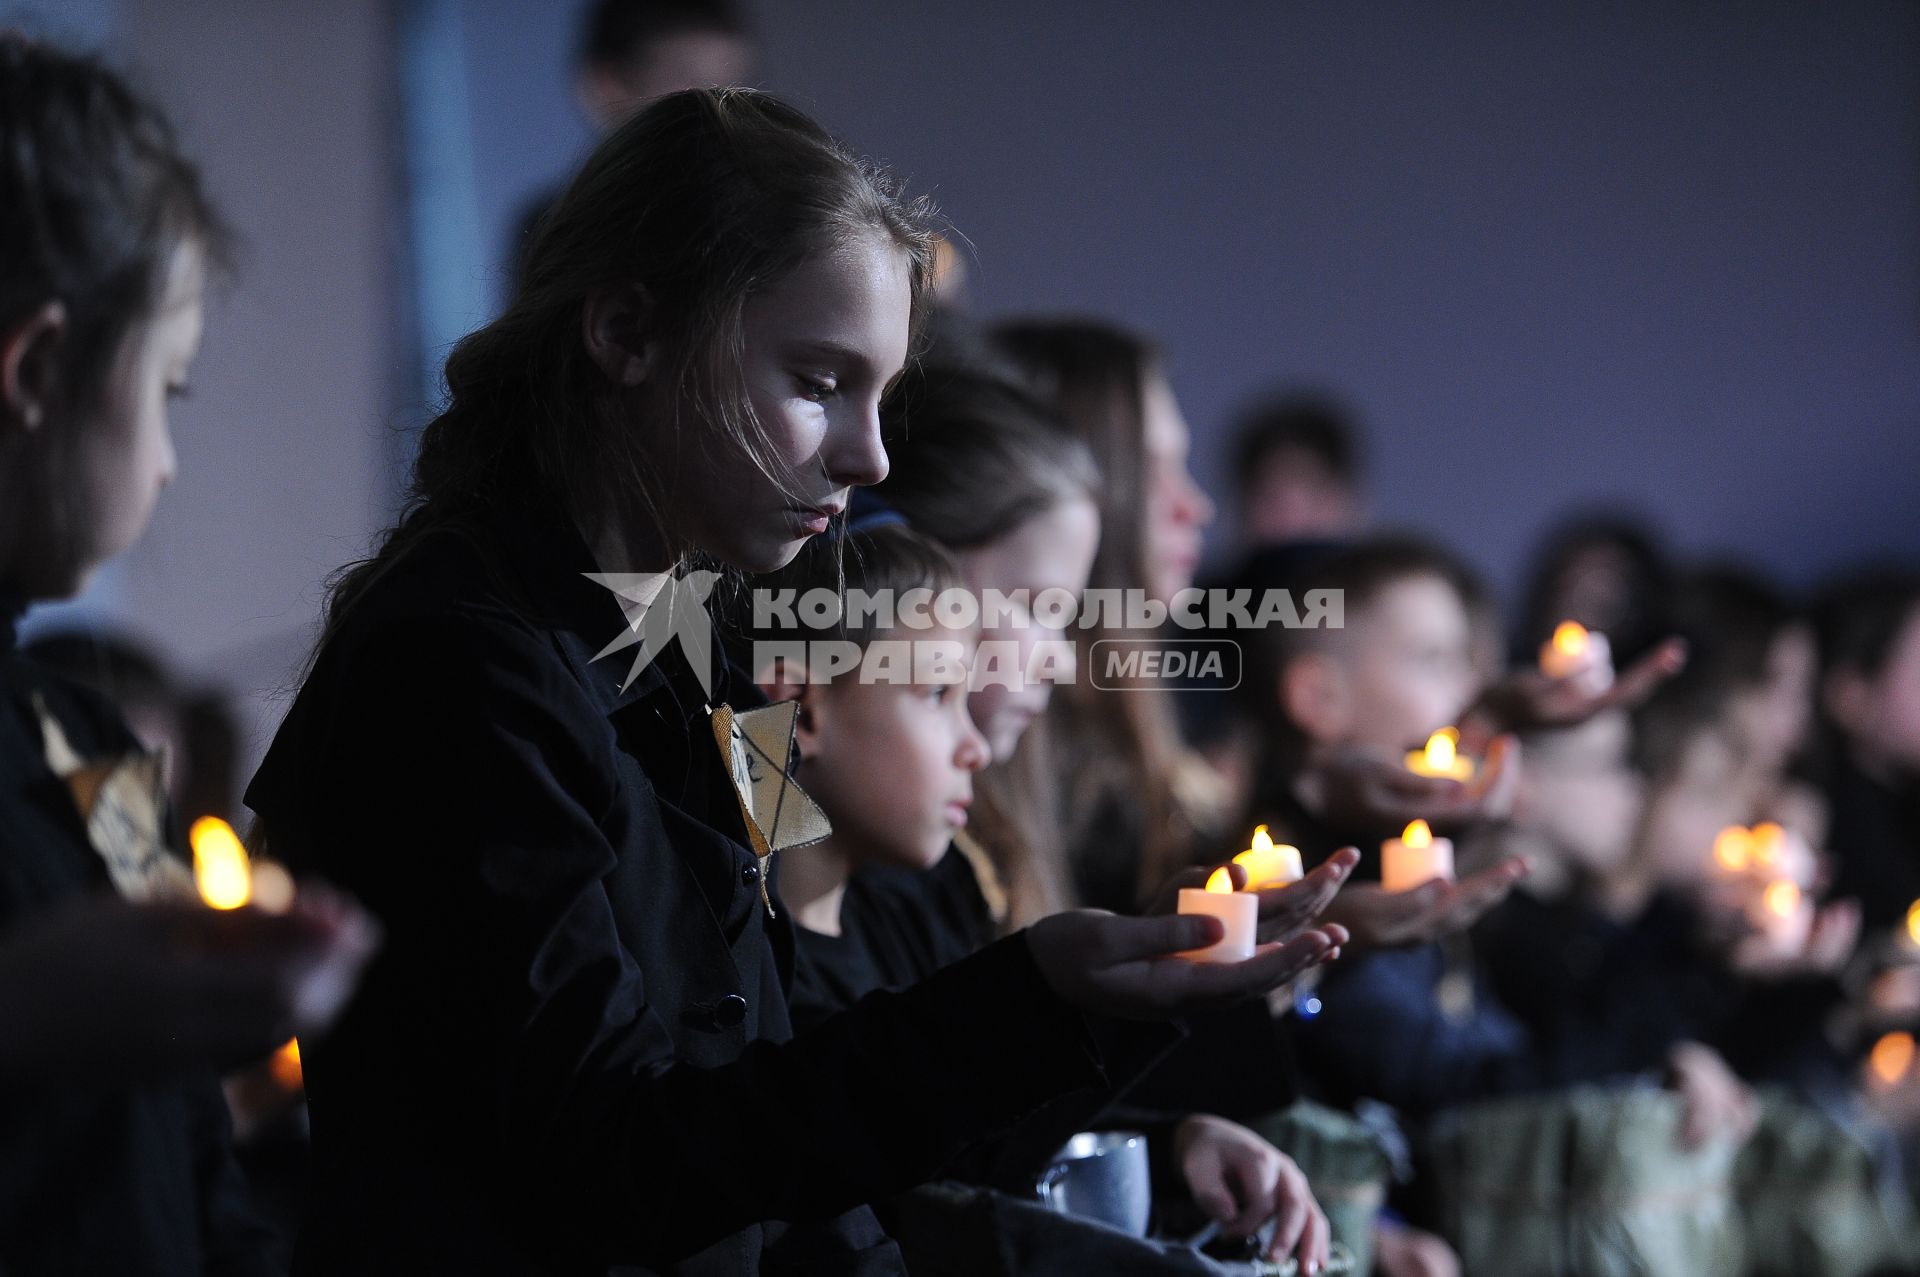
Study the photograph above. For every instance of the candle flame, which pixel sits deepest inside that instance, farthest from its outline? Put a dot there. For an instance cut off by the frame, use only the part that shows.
(1913, 922)
(1262, 840)
(1733, 848)
(219, 863)
(1891, 1058)
(1440, 748)
(1418, 834)
(1570, 638)
(1781, 898)
(1768, 839)
(285, 1066)
(1220, 883)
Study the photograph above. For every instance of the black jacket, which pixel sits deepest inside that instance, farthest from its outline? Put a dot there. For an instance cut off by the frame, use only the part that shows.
(136, 1179)
(573, 1052)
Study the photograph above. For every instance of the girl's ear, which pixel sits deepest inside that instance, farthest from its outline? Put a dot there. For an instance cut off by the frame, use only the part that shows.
(617, 325)
(30, 367)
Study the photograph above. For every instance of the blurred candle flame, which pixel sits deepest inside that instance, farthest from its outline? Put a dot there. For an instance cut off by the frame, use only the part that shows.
(1768, 839)
(1220, 883)
(1781, 898)
(1913, 922)
(1417, 834)
(1569, 637)
(1891, 1058)
(1269, 864)
(1733, 848)
(220, 868)
(285, 1066)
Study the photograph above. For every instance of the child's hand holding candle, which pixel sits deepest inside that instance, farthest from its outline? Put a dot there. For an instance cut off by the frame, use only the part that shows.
(1576, 653)
(1416, 856)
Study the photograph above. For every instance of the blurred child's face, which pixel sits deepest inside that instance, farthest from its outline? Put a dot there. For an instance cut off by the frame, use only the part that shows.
(1053, 550)
(1294, 496)
(126, 452)
(1882, 715)
(1177, 510)
(1580, 793)
(821, 346)
(1771, 719)
(1400, 670)
(892, 764)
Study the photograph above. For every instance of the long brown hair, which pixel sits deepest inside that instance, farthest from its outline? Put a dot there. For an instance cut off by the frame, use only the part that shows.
(976, 456)
(1117, 753)
(703, 199)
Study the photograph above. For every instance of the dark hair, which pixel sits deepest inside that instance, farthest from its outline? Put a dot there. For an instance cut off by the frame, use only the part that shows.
(1647, 581)
(96, 197)
(1859, 618)
(703, 199)
(1094, 374)
(1730, 618)
(974, 455)
(616, 30)
(891, 557)
(1309, 422)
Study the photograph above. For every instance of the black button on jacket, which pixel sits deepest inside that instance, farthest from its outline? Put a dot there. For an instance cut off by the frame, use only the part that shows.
(573, 1053)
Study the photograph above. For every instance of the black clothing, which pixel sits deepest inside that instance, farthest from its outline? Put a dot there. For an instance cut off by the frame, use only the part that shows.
(125, 1179)
(1876, 843)
(572, 1052)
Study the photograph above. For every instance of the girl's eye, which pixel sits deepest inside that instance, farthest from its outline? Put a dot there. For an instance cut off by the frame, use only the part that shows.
(816, 389)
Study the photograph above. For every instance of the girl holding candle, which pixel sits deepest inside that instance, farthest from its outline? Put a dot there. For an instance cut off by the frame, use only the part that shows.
(575, 908)
(114, 1149)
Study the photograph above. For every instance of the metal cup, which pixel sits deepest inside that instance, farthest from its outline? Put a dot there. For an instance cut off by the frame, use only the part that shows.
(1101, 1175)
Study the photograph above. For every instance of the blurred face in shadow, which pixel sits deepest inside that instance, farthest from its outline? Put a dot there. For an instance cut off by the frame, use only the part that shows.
(1401, 669)
(1177, 510)
(693, 59)
(1296, 496)
(1771, 718)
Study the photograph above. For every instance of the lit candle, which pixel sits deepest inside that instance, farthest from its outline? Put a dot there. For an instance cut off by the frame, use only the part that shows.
(1441, 757)
(1890, 1060)
(285, 1066)
(1269, 864)
(1578, 653)
(1416, 856)
(1912, 935)
(227, 879)
(219, 864)
(1238, 911)
(1785, 917)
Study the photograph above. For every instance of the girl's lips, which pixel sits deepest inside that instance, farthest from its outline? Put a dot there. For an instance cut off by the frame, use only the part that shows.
(957, 813)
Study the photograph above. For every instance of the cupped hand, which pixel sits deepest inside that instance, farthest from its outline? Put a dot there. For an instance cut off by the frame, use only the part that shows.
(1130, 968)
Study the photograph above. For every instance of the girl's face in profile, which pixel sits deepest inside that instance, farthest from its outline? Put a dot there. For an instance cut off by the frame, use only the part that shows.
(1177, 510)
(122, 455)
(821, 347)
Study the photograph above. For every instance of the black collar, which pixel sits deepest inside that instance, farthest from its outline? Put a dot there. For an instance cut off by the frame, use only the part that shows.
(550, 562)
